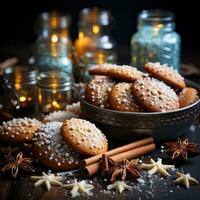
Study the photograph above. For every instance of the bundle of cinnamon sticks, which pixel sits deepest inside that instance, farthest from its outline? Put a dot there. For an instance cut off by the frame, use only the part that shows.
(92, 165)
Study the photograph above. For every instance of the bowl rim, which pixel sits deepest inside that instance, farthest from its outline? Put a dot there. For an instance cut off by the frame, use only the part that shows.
(193, 84)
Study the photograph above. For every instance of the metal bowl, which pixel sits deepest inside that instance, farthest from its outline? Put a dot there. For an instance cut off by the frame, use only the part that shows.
(129, 126)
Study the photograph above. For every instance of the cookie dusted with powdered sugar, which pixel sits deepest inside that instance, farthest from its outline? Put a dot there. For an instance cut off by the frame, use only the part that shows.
(74, 108)
(18, 130)
(59, 116)
(51, 150)
(97, 91)
(84, 137)
(187, 96)
(121, 98)
(154, 95)
(166, 74)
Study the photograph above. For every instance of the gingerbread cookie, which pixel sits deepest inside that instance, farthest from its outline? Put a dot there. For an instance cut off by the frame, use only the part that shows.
(18, 130)
(154, 95)
(101, 69)
(59, 116)
(166, 74)
(121, 98)
(187, 96)
(125, 73)
(97, 91)
(84, 137)
(51, 150)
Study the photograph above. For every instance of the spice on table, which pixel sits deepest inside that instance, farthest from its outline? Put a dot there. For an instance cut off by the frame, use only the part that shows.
(14, 164)
(157, 167)
(185, 179)
(181, 148)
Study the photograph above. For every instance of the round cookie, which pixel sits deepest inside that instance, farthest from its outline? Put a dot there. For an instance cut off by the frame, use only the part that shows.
(51, 150)
(166, 74)
(97, 91)
(18, 130)
(101, 69)
(59, 116)
(154, 95)
(187, 96)
(84, 137)
(125, 73)
(121, 98)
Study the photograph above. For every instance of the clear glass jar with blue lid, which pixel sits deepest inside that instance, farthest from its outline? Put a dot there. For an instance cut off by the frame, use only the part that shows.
(53, 45)
(156, 39)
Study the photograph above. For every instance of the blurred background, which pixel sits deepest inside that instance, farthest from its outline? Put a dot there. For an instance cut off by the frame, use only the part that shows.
(18, 18)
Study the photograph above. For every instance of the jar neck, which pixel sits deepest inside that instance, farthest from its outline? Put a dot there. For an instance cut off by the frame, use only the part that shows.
(94, 22)
(156, 21)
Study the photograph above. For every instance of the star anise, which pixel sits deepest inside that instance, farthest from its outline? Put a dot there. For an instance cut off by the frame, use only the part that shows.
(181, 148)
(120, 171)
(13, 164)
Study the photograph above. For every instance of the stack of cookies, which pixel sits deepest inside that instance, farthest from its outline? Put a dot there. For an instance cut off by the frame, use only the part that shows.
(60, 142)
(124, 88)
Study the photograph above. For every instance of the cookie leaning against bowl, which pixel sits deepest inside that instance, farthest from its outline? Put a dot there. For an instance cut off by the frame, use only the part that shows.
(18, 130)
(121, 98)
(187, 96)
(97, 91)
(51, 150)
(154, 95)
(166, 74)
(84, 137)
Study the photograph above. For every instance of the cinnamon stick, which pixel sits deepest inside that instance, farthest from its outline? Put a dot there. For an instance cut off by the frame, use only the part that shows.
(92, 169)
(118, 150)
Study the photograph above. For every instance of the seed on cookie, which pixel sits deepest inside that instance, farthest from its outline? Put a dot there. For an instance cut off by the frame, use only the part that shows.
(187, 96)
(18, 130)
(51, 150)
(154, 95)
(121, 98)
(84, 137)
(97, 91)
(165, 73)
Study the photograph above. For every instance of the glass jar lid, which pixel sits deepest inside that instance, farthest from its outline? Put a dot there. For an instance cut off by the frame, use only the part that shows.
(20, 74)
(54, 80)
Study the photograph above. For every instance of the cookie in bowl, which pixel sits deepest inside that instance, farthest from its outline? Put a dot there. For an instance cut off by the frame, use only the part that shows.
(155, 95)
(97, 91)
(166, 74)
(121, 98)
(187, 97)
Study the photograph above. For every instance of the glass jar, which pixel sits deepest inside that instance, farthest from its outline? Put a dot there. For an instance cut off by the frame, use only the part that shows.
(53, 45)
(156, 40)
(55, 91)
(22, 80)
(94, 44)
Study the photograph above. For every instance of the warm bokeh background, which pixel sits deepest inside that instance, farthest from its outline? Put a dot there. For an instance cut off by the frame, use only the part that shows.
(17, 20)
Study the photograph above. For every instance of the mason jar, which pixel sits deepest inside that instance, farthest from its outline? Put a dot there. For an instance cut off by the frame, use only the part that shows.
(52, 48)
(22, 80)
(156, 39)
(95, 44)
(55, 91)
